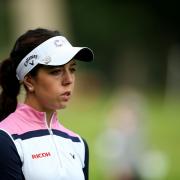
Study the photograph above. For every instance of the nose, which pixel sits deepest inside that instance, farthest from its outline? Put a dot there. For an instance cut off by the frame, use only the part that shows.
(67, 78)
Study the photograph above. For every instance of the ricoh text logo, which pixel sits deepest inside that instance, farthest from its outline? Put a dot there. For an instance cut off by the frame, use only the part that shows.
(41, 155)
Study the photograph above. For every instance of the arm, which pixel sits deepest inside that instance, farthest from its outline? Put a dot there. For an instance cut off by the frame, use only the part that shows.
(10, 163)
(86, 161)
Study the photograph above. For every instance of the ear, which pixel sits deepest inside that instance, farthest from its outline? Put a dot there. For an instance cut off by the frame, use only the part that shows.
(28, 82)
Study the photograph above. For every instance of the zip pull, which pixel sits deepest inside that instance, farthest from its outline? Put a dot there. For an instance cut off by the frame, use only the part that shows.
(50, 131)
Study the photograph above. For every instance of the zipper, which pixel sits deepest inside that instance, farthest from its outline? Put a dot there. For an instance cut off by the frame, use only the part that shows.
(53, 140)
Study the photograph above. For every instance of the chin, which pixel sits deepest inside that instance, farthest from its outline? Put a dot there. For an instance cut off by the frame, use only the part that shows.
(59, 106)
(62, 106)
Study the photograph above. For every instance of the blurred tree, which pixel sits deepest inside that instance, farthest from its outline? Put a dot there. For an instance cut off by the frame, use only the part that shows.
(5, 24)
(130, 39)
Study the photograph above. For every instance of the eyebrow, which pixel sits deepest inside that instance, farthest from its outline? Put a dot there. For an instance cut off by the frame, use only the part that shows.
(74, 63)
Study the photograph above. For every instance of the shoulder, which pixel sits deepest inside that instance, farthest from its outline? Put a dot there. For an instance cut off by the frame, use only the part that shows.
(67, 133)
(10, 163)
(9, 123)
(80, 144)
(8, 148)
(5, 138)
(86, 147)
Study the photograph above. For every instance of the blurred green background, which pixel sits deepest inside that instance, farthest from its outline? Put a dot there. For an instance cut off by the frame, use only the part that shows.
(133, 83)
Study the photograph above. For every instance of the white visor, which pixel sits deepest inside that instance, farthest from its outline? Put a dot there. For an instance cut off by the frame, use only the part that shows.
(55, 51)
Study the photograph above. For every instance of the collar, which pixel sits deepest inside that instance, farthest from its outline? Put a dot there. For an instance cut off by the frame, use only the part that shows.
(33, 116)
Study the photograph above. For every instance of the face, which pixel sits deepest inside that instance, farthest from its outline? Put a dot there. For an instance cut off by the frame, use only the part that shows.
(53, 87)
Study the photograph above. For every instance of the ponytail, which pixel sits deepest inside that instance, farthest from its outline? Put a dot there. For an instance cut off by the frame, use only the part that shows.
(10, 88)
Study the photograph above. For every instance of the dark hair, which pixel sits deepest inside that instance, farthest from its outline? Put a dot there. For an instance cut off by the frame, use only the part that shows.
(8, 81)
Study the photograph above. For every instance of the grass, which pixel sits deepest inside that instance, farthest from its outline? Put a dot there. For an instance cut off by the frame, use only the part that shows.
(86, 115)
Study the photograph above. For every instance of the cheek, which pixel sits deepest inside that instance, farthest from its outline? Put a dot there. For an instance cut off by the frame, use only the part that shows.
(48, 96)
(46, 88)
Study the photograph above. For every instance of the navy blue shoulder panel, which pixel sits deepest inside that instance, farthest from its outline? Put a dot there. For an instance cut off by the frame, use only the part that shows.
(10, 163)
(86, 160)
(44, 132)
(65, 135)
(31, 134)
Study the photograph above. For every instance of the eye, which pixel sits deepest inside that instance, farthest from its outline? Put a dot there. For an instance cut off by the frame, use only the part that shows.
(72, 69)
(56, 71)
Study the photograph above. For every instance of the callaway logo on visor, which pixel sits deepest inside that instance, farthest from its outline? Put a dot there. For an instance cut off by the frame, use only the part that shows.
(30, 60)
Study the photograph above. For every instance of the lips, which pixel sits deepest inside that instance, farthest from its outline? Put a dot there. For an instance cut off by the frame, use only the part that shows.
(66, 95)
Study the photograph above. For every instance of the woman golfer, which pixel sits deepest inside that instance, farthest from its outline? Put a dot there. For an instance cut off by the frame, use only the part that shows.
(33, 144)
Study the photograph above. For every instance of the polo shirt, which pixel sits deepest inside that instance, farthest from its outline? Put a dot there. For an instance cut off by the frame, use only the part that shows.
(31, 150)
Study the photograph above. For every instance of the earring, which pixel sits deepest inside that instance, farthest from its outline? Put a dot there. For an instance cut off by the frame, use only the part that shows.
(30, 89)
